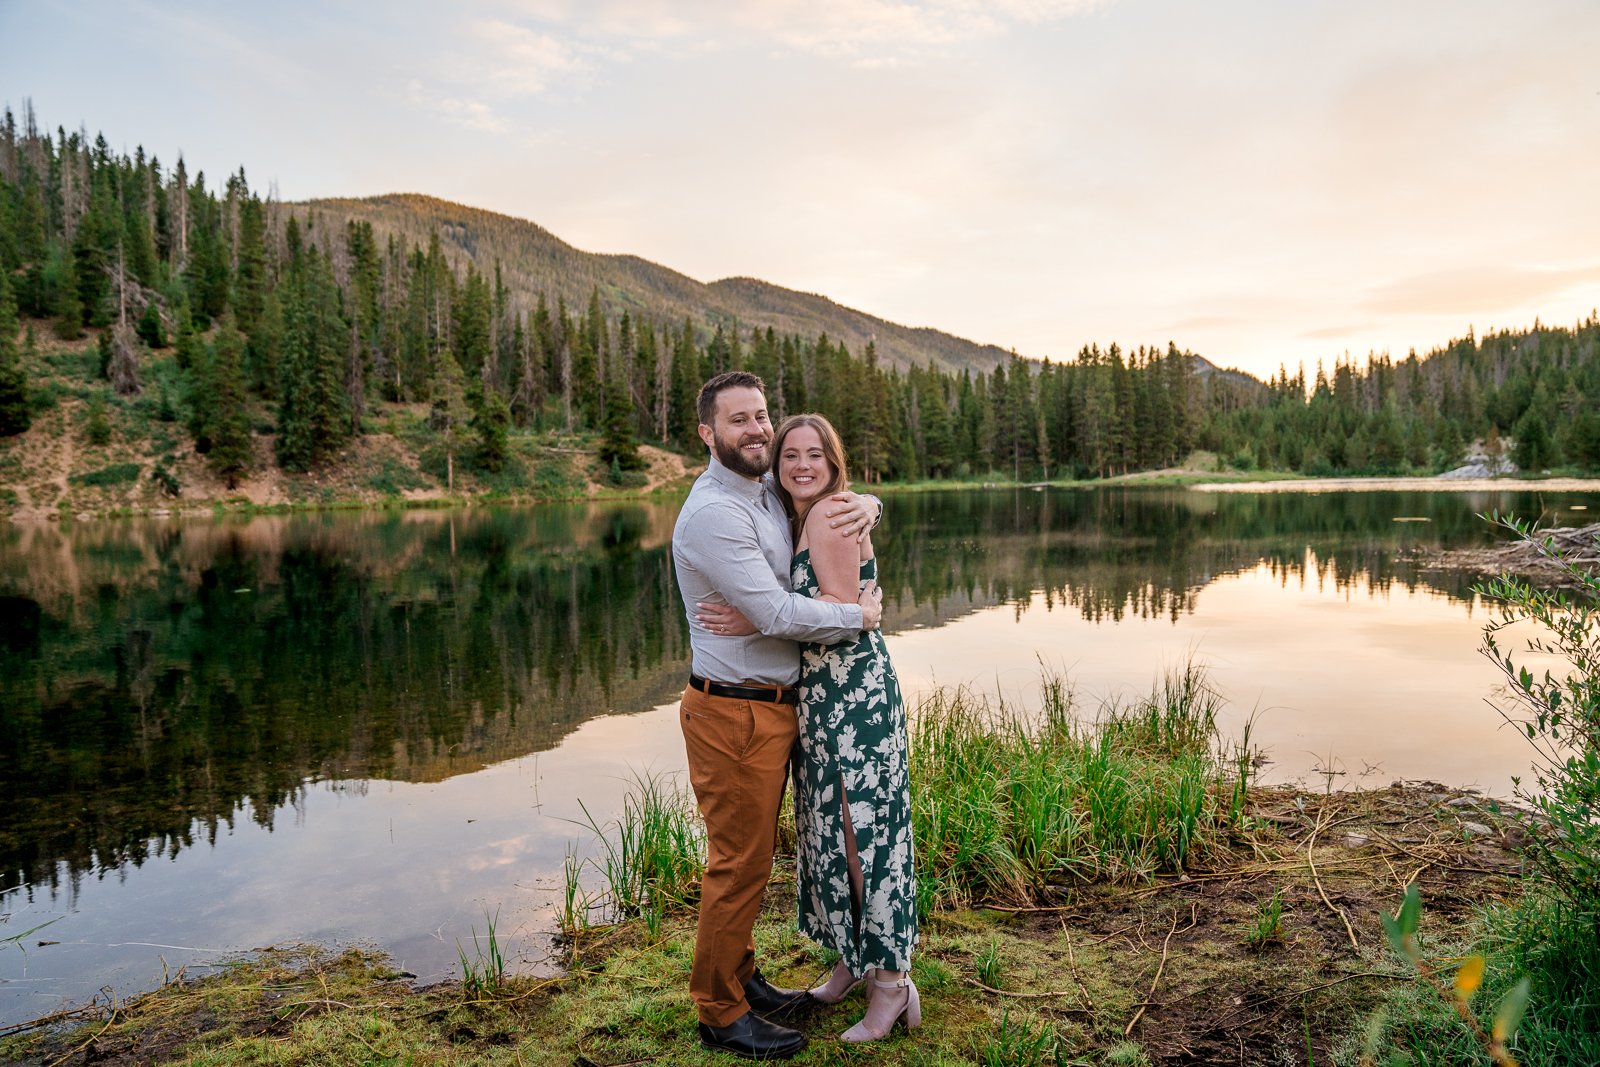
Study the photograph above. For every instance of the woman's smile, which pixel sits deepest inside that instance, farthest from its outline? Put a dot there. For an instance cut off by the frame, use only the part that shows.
(802, 467)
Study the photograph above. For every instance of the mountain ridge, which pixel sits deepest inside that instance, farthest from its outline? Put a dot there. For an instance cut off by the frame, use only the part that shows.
(533, 259)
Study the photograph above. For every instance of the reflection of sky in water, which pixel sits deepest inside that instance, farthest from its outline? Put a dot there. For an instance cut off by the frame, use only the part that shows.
(410, 868)
(1380, 686)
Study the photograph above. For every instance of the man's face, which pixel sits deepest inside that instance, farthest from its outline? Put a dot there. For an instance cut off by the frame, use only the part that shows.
(741, 433)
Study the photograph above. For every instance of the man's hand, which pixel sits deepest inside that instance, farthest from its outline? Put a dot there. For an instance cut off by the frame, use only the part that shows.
(871, 601)
(852, 514)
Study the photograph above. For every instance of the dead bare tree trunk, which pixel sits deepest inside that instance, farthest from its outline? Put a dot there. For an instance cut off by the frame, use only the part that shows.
(663, 389)
(124, 368)
(525, 400)
(566, 383)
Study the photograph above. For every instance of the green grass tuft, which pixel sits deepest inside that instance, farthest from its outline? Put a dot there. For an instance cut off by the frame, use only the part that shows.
(116, 474)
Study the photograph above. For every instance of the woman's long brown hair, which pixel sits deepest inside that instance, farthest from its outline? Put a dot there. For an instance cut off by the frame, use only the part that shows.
(832, 451)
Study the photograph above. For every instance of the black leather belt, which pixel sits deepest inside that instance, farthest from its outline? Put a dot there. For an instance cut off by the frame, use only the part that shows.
(767, 694)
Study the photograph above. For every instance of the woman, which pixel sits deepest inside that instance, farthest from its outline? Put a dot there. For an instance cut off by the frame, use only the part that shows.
(857, 887)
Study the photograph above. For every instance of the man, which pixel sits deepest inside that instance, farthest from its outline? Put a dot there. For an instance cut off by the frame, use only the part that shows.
(732, 545)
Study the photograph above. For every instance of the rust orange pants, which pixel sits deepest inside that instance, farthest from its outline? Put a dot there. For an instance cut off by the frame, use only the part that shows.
(738, 764)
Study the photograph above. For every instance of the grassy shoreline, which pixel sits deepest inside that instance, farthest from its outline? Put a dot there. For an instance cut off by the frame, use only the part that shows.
(1110, 890)
(1202, 481)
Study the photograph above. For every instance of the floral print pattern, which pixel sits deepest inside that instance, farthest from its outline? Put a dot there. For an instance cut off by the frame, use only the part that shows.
(853, 735)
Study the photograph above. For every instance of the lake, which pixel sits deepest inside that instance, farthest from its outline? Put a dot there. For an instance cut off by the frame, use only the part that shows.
(386, 728)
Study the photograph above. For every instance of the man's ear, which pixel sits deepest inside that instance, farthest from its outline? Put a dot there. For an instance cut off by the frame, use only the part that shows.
(706, 434)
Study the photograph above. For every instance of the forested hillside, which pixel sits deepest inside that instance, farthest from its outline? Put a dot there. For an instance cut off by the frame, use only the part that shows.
(532, 260)
(189, 319)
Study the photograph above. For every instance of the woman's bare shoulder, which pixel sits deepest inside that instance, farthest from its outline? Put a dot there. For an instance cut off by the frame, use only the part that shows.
(823, 539)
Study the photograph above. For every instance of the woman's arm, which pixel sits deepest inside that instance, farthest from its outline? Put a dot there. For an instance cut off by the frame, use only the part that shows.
(836, 561)
(854, 515)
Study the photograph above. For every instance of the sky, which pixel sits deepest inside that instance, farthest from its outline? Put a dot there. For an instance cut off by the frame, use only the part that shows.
(1258, 181)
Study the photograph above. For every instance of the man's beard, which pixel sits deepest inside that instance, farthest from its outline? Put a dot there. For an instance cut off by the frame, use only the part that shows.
(739, 463)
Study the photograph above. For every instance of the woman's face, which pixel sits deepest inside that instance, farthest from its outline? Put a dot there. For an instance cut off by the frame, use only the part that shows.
(802, 468)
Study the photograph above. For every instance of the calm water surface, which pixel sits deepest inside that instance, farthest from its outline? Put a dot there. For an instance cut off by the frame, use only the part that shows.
(216, 736)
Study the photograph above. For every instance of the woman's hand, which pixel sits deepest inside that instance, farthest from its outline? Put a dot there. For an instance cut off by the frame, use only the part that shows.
(724, 620)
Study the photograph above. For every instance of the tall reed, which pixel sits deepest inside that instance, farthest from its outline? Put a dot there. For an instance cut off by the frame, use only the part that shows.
(1006, 805)
(651, 858)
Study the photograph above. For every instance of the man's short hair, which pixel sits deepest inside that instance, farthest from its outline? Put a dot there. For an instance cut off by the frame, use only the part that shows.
(732, 379)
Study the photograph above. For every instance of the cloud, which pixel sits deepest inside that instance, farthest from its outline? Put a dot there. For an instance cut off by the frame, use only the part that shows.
(1202, 322)
(835, 28)
(848, 28)
(514, 60)
(1339, 333)
(473, 114)
(1469, 290)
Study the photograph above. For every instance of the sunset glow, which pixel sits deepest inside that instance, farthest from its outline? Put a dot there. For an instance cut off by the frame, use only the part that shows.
(1258, 182)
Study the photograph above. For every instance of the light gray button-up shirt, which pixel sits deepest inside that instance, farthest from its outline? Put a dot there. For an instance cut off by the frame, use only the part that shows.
(732, 545)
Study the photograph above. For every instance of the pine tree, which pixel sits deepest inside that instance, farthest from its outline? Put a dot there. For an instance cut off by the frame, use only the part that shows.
(355, 378)
(686, 379)
(618, 448)
(150, 328)
(14, 415)
(492, 421)
(250, 280)
(1535, 446)
(872, 431)
(527, 398)
(231, 444)
(586, 379)
(450, 415)
(473, 322)
(195, 357)
(313, 413)
(67, 305)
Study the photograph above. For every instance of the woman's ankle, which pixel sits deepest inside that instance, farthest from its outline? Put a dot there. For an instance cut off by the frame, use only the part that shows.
(840, 982)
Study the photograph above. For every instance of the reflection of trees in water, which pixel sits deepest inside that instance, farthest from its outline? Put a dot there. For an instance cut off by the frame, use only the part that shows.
(158, 681)
(1148, 553)
(154, 703)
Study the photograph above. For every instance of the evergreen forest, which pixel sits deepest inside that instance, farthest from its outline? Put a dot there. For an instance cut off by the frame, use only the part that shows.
(245, 316)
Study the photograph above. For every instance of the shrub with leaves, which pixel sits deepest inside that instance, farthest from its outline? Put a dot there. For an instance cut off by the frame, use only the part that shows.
(1558, 710)
(1458, 991)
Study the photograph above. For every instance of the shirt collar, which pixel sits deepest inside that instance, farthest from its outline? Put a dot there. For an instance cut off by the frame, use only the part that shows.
(752, 489)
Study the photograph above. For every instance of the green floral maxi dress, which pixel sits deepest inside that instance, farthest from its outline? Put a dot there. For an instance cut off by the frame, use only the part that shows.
(853, 733)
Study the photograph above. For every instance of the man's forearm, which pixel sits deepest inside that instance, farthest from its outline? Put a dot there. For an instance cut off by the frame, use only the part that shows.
(731, 563)
(801, 618)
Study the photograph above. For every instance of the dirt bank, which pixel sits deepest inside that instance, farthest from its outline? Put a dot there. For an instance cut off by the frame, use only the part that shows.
(1188, 968)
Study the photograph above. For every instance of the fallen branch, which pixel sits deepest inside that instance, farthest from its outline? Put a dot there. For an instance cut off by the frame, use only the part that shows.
(1022, 996)
(1072, 965)
(1311, 846)
(1313, 989)
(1159, 968)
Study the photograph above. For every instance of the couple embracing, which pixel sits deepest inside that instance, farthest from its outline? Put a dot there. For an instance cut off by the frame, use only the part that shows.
(775, 565)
